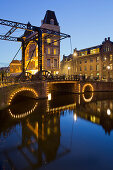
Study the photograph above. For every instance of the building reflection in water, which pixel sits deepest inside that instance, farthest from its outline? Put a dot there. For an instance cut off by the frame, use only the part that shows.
(34, 127)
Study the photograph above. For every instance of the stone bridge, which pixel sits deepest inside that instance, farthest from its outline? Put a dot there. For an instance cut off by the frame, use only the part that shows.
(42, 89)
(35, 90)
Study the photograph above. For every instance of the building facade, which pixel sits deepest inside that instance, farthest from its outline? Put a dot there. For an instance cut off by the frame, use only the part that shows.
(15, 66)
(50, 47)
(94, 62)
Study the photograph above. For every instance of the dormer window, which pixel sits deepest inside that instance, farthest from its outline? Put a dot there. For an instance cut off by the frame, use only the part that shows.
(52, 21)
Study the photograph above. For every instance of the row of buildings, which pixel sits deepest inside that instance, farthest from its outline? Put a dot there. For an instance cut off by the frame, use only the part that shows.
(94, 62)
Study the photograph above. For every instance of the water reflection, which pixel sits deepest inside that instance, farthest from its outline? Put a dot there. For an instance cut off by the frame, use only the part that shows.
(32, 130)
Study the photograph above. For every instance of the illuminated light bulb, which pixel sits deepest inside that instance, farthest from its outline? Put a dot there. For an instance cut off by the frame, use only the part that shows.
(108, 112)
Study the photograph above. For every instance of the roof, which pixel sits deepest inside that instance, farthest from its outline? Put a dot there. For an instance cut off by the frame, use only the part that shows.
(50, 15)
(90, 48)
(16, 61)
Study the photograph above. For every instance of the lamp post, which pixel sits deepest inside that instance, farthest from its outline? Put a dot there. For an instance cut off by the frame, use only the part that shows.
(75, 57)
(68, 70)
(108, 68)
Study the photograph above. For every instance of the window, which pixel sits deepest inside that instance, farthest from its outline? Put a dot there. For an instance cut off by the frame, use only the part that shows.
(111, 57)
(91, 67)
(110, 66)
(55, 51)
(48, 40)
(48, 51)
(85, 68)
(97, 59)
(86, 76)
(97, 67)
(55, 42)
(48, 62)
(80, 62)
(91, 60)
(52, 21)
(85, 61)
(91, 76)
(94, 51)
(83, 53)
(55, 62)
(80, 69)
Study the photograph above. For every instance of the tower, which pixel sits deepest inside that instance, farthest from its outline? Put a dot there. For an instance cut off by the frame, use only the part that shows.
(51, 47)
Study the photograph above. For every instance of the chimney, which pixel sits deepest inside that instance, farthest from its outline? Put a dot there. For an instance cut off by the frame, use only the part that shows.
(105, 39)
(108, 38)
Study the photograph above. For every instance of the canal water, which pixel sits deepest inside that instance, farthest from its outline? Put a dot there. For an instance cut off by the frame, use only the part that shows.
(66, 132)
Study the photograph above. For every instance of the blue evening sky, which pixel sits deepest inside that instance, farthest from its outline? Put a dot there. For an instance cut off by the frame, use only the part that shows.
(87, 21)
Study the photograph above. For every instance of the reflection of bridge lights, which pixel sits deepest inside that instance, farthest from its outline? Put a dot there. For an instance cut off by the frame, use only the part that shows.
(23, 114)
(20, 90)
(75, 117)
(87, 100)
(108, 112)
(70, 106)
(87, 84)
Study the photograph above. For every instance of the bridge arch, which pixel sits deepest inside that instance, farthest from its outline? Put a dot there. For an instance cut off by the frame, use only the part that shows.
(22, 115)
(88, 87)
(22, 89)
(89, 98)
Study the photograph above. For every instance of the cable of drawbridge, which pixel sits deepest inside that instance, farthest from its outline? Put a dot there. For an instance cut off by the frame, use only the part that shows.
(71, 45)
(31, 57)
(16, 54)
(14, 57)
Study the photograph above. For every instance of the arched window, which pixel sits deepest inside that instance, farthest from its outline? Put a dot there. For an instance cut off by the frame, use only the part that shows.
(52, 21)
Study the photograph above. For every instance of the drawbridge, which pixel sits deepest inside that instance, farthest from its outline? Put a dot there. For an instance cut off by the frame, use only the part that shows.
(36, 35)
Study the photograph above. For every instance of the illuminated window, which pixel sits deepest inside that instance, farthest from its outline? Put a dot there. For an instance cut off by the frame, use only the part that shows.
(91, 76)
(110, 66)
(97, 67)
(55, 42)
(48, 62)
(83, 53)
(94, 51)
(86, 76)
(48, 40)
(110, 57)
(48, 51)
(55, 62)
(55, 51)
(97, 59)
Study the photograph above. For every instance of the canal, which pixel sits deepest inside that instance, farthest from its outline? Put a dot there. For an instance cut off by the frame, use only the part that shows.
(67, 132)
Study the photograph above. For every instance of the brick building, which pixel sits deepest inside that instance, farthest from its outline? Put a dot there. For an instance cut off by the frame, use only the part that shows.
(94, 62)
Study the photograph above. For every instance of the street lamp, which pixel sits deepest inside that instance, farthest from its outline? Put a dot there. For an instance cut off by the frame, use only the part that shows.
(75, 57)
(68, 70)
(108, 68)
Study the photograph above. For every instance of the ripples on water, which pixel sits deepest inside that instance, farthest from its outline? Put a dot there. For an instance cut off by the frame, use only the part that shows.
(68, 132)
